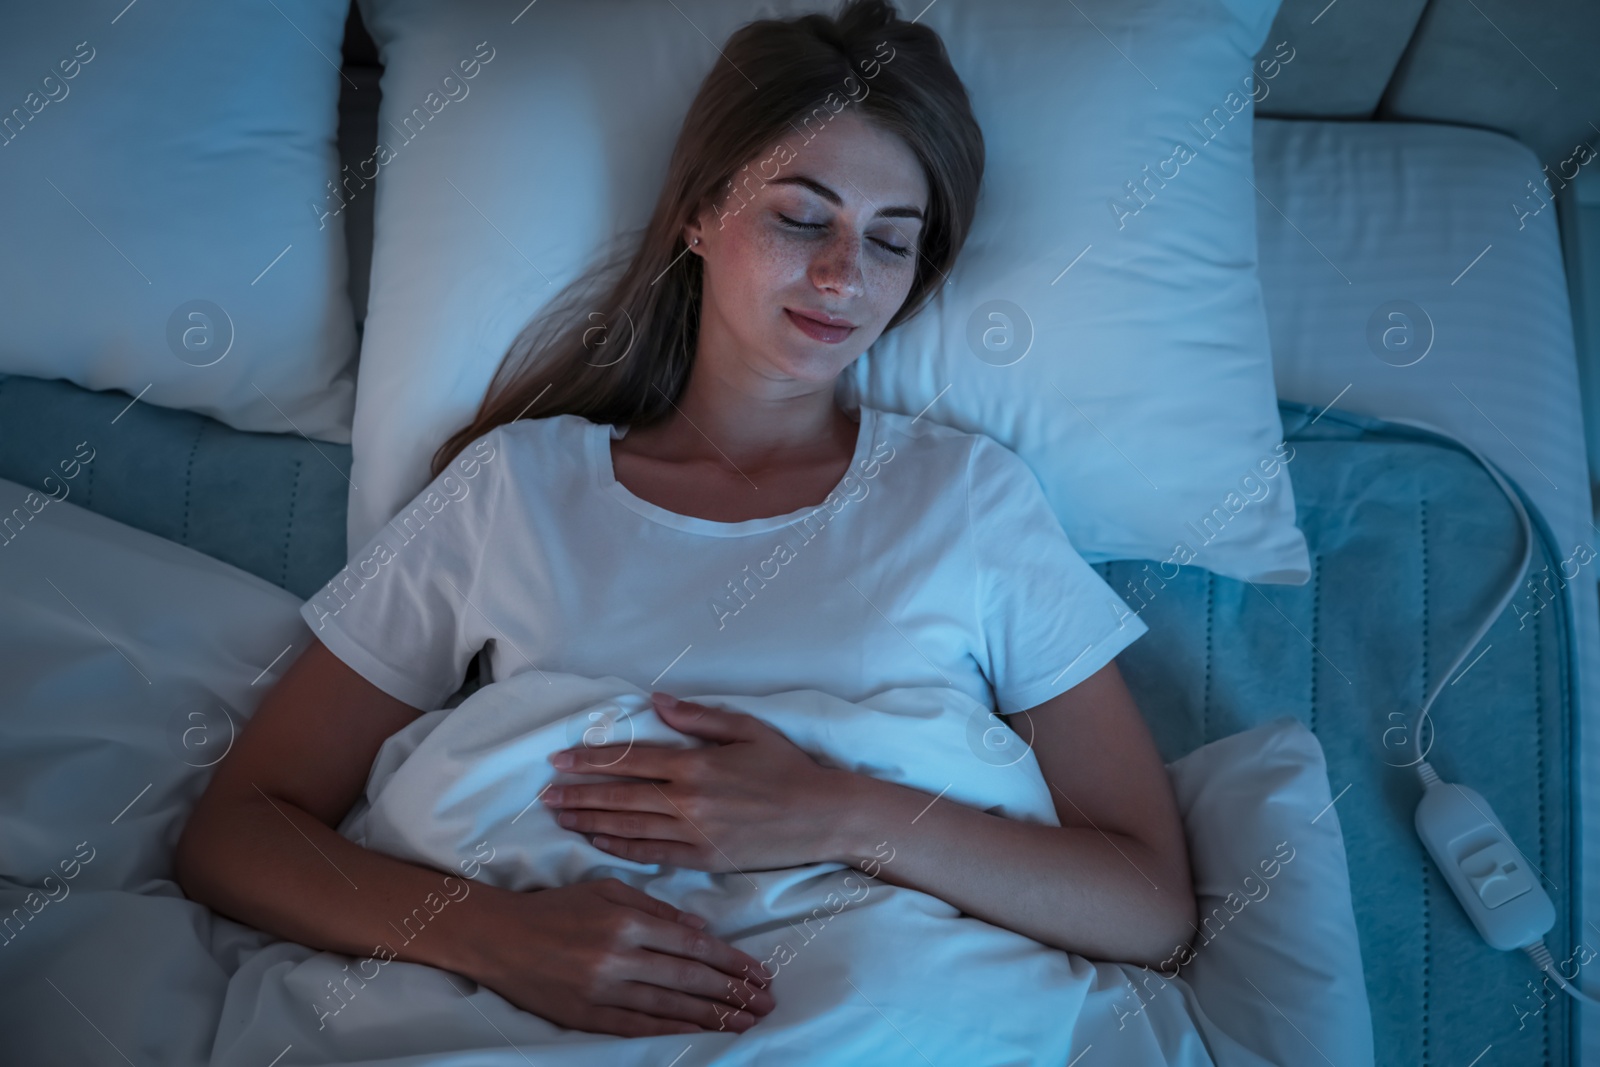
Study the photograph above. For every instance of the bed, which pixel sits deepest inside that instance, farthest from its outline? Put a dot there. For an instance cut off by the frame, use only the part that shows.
(1410, 540)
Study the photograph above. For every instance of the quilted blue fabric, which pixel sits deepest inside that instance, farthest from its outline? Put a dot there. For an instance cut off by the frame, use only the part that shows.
(270, 504)
(1411, 543)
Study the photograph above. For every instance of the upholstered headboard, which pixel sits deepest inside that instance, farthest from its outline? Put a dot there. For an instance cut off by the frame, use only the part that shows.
(1523, 67)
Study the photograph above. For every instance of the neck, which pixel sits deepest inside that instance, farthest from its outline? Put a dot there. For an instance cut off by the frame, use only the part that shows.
(728, 414)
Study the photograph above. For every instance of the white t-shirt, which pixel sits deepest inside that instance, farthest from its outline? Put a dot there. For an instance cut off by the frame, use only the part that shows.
(935, 561)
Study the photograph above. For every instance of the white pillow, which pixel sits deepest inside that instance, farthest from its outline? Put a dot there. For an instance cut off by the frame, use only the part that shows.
(1146, 402)
(1277, 962)
(163, 172)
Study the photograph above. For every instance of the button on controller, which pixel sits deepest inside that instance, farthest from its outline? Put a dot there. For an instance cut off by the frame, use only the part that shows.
(1496, 874)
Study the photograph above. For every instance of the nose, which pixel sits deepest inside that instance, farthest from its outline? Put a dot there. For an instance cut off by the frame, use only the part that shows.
(837, 267)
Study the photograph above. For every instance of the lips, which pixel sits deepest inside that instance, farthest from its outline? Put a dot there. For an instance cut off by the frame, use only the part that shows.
(820, 328)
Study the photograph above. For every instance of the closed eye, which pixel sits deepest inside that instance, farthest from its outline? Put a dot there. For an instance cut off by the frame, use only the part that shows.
(895, 249)
(803, 225)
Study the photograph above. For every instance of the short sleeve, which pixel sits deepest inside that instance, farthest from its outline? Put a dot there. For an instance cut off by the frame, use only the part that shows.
(399, 612)
(1048, 619)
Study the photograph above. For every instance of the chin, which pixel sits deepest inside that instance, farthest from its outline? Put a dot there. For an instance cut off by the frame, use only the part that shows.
(811, 365)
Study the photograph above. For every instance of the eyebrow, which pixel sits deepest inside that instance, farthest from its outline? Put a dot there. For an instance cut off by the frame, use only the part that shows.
(900, 212)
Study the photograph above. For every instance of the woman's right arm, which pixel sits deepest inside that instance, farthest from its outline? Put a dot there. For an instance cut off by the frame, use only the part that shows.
(262, 847)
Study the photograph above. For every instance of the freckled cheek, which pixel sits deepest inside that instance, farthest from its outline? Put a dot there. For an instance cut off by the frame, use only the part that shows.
(779, 256)
(741, 267)
(771, 263)
(888, 284)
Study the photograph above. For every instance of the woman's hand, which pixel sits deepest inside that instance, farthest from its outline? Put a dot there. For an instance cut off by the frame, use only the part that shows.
(752, 801)
(606, 957)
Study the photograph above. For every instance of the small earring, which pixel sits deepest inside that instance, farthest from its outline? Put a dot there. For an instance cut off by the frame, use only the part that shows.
(696, 240)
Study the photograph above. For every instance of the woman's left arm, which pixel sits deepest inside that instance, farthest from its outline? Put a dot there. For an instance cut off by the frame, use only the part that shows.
(1111, 882)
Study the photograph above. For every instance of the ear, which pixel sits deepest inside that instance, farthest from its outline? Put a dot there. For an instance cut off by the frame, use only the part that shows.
(696, 227)
(693, 237)
(709, 217)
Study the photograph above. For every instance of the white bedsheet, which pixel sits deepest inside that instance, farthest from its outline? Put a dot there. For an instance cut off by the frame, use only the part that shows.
(867, 972)
(1355, 217)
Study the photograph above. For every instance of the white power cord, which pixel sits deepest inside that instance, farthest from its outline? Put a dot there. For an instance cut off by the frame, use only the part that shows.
(1541, 956)
(1424, 771)
(1467, 841)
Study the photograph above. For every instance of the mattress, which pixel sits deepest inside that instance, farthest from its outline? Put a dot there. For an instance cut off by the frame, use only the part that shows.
(1414, 270)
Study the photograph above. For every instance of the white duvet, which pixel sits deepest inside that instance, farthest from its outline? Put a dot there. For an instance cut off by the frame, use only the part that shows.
(128, 663)
(863, 971)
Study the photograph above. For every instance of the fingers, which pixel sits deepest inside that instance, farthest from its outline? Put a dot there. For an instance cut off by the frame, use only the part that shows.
(664, 762)
(679, 978)
(629, 824)
(651, 850)
(702, 720)
(656, 1000)
(686, 940)
(622, 796)
(620, 892)
(699, 962)
(636, 1024)
(746, 993)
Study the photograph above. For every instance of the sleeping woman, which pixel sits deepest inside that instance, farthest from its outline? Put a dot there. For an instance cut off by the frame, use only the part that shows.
(665, 483)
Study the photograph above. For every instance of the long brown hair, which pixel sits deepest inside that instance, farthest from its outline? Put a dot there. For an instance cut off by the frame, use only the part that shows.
(896, 72)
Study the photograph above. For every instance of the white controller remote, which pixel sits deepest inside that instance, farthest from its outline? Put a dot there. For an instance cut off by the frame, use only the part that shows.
(1491, 878)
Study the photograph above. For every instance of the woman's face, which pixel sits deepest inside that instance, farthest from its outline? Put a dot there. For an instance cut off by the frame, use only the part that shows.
(828, 228)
